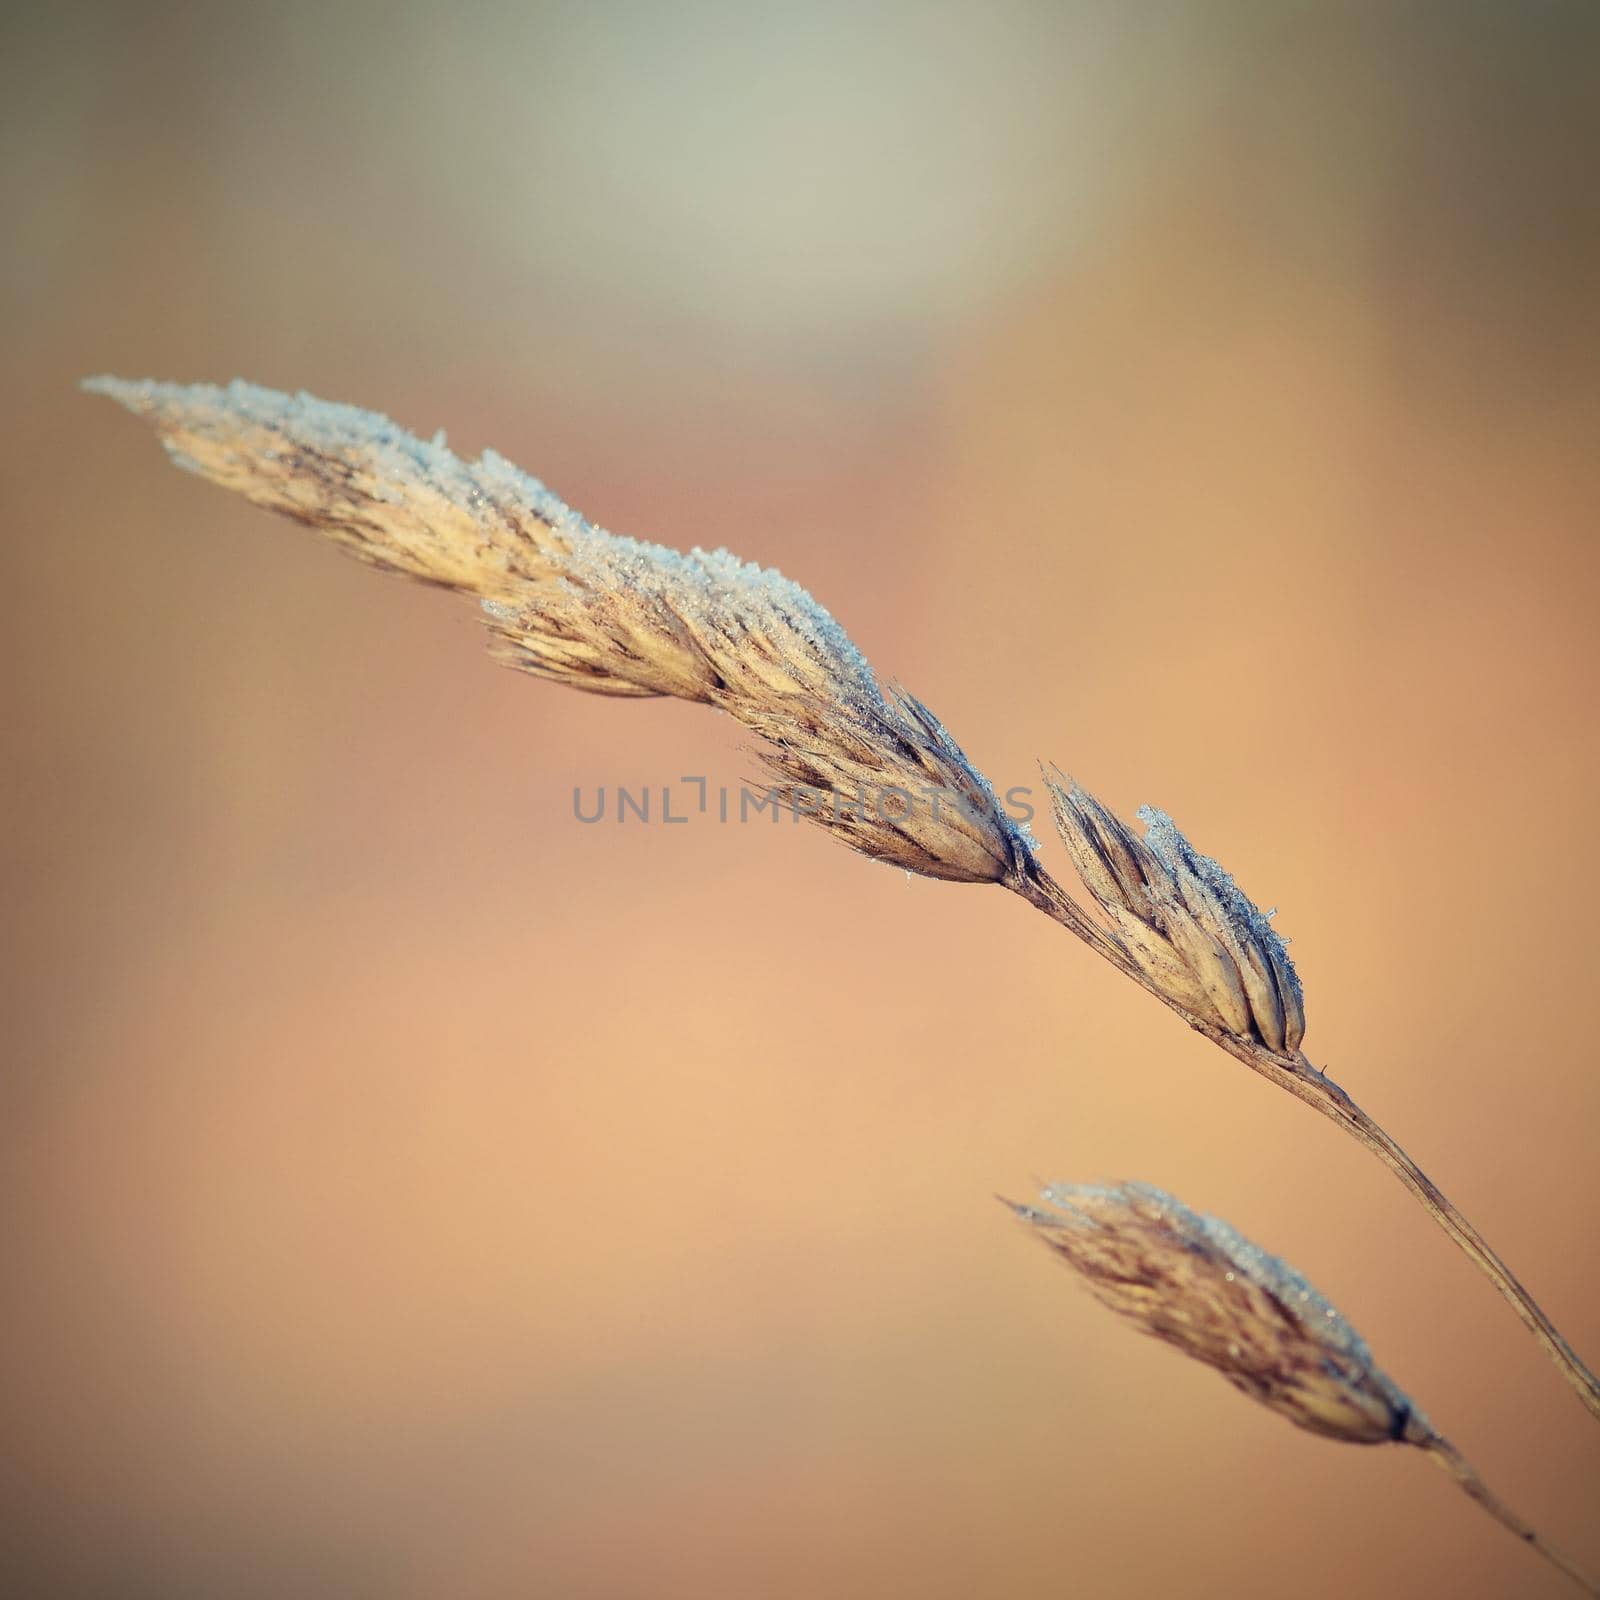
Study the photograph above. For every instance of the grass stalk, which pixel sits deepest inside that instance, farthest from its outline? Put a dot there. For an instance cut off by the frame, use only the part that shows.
(572, 604)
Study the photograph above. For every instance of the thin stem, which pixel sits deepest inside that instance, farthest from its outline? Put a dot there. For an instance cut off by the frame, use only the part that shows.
(1303, 1080)
(1338, 1106)
(1449, 1459)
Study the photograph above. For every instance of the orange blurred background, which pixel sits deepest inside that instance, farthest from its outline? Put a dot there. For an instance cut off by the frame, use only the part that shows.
(414, 1193)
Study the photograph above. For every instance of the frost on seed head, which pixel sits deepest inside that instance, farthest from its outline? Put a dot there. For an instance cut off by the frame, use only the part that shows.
(1163, 837)
(1182, 921)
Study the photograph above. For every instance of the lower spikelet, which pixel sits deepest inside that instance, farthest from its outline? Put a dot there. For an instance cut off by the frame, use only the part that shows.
(1193, 1282)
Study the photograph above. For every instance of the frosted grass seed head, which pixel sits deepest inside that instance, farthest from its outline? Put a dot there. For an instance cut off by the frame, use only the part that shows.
(1196, 1284)
(573, 604)
(1193, 1282)
(1183, 921)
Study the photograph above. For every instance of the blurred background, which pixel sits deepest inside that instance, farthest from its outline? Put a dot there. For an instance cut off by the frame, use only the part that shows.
(411, 1192)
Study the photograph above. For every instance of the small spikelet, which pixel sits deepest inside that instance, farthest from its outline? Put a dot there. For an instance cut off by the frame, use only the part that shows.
(1193, 1282)
(1182, 920)
(568, 602)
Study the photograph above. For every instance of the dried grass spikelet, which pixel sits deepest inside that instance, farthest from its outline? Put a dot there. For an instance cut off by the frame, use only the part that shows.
(571, 603)
(1191, 930)
(1193, 1282)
